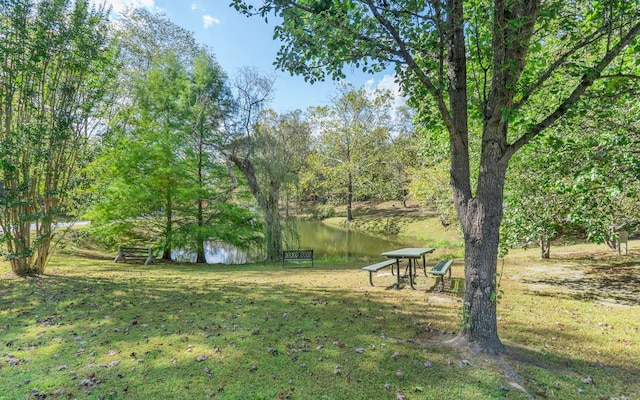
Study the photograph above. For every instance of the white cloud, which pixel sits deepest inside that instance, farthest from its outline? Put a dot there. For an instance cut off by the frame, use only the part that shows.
(194, 7)
(388, 82)
(208, 20)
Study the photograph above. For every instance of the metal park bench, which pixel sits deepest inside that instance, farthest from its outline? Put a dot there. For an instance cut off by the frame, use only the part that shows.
(440, 269)
(297, 255)
(377, 267)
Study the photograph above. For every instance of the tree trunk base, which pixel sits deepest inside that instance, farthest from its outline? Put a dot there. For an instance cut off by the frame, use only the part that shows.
(461, 340)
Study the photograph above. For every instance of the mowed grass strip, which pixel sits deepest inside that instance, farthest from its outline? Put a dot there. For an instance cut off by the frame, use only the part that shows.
(94, 329)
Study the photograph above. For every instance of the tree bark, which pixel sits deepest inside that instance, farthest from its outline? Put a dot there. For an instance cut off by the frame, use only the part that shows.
(268, 203)
(481, 220)
(200, 256)
(545, 247)
(166, 252)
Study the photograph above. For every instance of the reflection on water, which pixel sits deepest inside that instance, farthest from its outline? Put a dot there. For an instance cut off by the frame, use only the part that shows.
(326, 242)
(217, 252)
(331, 242)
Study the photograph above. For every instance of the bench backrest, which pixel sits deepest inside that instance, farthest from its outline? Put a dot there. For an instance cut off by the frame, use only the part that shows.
(134, 250)
(297, 254)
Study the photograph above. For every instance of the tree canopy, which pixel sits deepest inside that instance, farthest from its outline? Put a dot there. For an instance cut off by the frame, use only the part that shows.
(353, 143)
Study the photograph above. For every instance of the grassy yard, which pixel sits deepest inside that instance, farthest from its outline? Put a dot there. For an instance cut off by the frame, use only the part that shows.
(96, 330)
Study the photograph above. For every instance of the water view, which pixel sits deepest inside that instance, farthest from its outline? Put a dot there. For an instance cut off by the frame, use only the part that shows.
(326, 242)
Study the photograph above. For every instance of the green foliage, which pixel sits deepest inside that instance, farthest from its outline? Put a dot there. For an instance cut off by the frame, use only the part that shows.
(465, 316)
(159, 179)
(322, 211)
(586, 185)
(352, 147)
(430, 187)
(384, 227)
(56, 60)
(268, 148)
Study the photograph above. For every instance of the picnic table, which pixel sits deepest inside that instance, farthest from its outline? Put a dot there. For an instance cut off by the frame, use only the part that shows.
(412, 254)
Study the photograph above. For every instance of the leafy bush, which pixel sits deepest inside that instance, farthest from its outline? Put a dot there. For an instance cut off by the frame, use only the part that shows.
(382, 227)
(322, 211)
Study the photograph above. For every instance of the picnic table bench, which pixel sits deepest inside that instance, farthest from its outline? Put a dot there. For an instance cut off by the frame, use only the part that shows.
(297, 255)
(377, 267)
(440, 269)
(125, 252)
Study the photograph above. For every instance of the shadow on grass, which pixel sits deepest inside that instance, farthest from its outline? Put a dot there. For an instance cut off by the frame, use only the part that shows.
(618, 282)
(188, 331)
(169, 332)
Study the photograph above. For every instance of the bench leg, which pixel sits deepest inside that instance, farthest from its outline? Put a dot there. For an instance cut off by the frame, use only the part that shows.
(371, 278)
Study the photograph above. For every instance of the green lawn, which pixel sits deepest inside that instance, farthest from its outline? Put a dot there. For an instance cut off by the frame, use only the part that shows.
(93, 329)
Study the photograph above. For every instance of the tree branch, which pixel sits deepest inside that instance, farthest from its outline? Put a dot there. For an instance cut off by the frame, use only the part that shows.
(555, 65)
(413, 65)
(586, 81)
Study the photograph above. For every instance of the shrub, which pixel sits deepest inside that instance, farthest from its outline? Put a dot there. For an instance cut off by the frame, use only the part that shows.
(322, 211)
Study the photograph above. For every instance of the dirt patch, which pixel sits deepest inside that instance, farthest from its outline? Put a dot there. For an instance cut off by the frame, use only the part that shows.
(596, 277)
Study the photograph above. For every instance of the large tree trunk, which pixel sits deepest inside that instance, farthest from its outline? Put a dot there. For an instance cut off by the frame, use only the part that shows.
(481, 226)
(480, 215)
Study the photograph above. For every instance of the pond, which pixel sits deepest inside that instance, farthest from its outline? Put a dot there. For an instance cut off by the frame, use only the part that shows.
(326, 242)
(331, 242)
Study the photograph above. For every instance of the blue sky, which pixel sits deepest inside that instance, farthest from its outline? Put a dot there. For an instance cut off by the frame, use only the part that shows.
(238, 41)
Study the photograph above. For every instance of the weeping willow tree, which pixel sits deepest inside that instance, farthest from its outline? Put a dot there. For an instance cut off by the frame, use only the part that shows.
(55, 59)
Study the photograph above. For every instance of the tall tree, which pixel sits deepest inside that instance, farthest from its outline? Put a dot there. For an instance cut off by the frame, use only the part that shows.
(353, 133)
(503, 70)
(55, 59)
(164, 167)
(269, 149)
(160, 151)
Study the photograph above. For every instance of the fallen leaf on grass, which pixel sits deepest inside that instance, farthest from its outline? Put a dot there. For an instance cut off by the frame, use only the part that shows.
(517, 387)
